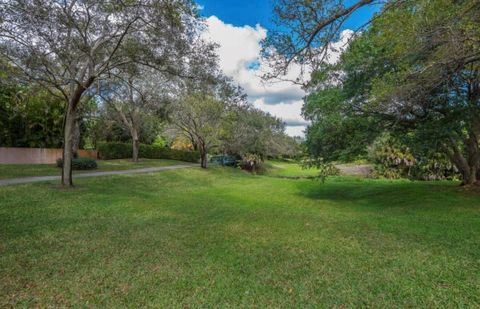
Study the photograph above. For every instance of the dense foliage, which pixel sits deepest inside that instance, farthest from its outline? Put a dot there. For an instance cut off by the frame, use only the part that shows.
(30, 118)
(80, 163)
(415, 74)
(249, 130)
(252, 163)
(73, 47)
(391, 158)
(116, 150)
(105, 126)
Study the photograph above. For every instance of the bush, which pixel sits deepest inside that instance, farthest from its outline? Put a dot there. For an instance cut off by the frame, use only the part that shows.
(434, 166)
(252, 163)
(108, 151)
(392, 159)
(114, 150)
(158, 152)
(80, 163)
(325, 169)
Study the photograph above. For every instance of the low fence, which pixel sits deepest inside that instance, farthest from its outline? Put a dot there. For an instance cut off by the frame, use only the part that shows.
(13, 155)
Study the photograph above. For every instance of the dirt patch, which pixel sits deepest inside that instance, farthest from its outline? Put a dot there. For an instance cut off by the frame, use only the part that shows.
(355, 170)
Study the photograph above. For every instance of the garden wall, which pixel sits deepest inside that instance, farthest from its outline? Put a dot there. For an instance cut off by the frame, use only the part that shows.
(13, 155)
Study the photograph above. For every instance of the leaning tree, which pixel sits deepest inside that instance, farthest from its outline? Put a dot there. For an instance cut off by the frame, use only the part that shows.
(70, 45)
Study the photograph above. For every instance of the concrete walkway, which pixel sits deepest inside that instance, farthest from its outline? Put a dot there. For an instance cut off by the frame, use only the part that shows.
(14, 181)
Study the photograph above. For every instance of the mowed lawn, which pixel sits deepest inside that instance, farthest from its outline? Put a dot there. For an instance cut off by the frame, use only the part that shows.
(221, 238)
(26, 170)
(289, 169)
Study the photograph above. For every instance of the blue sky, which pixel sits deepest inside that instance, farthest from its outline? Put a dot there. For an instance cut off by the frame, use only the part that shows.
(239, 12)
(238, 26)
(252, 12)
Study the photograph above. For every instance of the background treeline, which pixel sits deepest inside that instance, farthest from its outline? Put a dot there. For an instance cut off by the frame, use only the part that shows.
(78, 73)
(33, 117)
(212, 117)
(137, 71)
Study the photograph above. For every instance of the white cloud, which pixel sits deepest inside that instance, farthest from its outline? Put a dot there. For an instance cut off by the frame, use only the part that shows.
(239, 53)
(295, 130)
(290, 112)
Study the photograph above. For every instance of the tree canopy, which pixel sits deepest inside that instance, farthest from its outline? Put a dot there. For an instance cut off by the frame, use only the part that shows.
(70, 45)
(414, 72)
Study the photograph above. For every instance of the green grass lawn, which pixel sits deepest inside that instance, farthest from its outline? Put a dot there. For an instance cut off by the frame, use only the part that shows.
(221, 238)
(279, 168)
(26, 170)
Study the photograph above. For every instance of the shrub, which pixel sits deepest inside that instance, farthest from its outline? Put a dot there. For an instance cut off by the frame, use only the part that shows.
(80, 163)
(392, 159)
(114, 150)
(434, 166)
(325, 169)
(158, 152)
(108, 151)
(252, 163)
(160, 142)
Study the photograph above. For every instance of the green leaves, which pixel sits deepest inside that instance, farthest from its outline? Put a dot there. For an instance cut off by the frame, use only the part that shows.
(325, 169)
(415, 70)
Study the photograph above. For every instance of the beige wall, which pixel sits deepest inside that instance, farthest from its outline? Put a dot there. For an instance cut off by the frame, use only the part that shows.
(11, 155)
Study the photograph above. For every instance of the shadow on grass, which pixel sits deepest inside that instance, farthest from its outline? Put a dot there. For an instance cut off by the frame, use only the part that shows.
(383, 194)
(193, 237)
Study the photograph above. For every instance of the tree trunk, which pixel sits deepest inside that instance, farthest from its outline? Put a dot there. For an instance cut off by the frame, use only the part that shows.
(203, 157)
(76, 137)
(69, 129)
(470, 178)
(468, 164)
(473, 153)
(68, 134)
(135, 145)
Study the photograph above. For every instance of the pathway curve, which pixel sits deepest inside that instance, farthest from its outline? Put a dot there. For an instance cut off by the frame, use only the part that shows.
(14, 181)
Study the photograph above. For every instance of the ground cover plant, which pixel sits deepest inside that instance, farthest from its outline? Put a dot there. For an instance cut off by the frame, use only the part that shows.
(223, 237)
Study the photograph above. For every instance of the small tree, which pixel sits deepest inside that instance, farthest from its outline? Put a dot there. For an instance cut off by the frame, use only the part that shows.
(135, 98)
(199, 117)
(250, 130)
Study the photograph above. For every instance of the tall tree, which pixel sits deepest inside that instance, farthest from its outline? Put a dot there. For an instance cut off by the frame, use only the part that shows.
(436, 84)
(415, 71)
(69, 45)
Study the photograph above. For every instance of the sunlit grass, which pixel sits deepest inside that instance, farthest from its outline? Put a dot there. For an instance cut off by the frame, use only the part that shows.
(222, 238)
(289, 169)
(26, 170)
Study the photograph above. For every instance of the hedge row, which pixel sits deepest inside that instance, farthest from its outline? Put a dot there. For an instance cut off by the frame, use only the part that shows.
(80, 163)
(108, 151)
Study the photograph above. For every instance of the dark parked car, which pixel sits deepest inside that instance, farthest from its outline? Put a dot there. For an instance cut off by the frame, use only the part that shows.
(224, 160)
